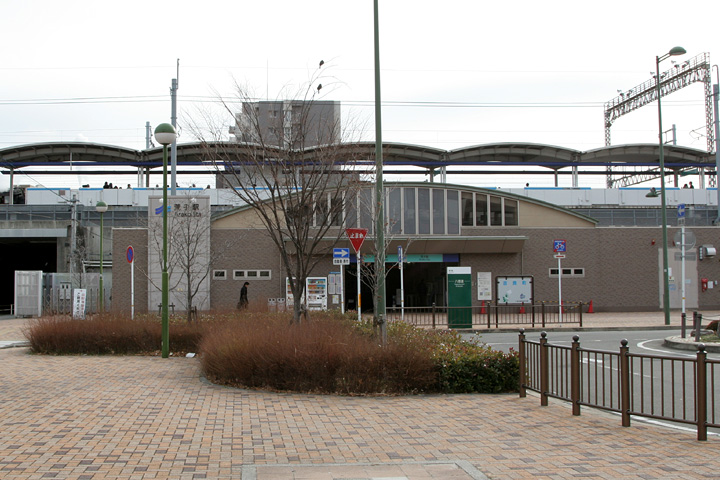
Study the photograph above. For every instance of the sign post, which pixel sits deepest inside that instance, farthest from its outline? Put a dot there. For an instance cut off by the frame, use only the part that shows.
(341, 256)
(357, 237)
(130, 255)
(681, 221)
(559, 247)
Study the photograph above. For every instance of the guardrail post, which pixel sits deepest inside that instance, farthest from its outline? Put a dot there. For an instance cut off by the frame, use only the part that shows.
(497, 315)
(532, 309)
(701, 393)
(575, 375)
(580, 309)
(542, 311)
(683, 324)
(625, 382)
(523, 365)
(489, 309)
(698, 326)
(433, 315)
(544, 370)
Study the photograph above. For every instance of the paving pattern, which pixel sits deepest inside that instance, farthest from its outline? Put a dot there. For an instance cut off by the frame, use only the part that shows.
(133, 417)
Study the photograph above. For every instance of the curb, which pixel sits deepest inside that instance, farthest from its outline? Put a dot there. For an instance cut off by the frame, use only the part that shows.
(688, 344)
(13, 344)
(567, 329)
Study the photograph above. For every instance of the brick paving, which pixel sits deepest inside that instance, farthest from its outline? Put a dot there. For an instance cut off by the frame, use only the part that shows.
(133, 417)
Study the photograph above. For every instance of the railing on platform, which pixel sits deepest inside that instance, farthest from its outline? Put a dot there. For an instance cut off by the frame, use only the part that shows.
(653, 386)
(493, 315)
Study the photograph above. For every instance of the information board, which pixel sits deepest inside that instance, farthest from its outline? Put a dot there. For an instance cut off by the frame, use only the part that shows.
(514, 289)
(484, 286)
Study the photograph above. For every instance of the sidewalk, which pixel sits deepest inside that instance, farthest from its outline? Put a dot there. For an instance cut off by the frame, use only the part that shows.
(132, 417)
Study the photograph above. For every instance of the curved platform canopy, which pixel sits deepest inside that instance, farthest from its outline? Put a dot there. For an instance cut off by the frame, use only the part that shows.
(70, 154)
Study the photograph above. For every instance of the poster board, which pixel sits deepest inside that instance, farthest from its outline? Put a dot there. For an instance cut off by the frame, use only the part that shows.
(518, 290)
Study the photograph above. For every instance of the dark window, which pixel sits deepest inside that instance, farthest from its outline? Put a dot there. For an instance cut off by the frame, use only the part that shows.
(511, 212)
(409, 211)
(423, 210)
(438, 211)
(453, 220)
(394, 211)
(495, 211)
(481, 206)
(467, 209)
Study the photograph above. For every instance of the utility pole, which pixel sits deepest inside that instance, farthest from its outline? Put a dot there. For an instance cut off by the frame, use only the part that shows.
(73, 234)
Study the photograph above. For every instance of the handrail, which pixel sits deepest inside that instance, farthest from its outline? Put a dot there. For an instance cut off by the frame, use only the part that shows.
(645, 385)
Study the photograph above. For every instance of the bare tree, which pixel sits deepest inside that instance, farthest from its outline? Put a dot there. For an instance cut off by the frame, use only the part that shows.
(190, 252)
(290, 165)
(370, 271)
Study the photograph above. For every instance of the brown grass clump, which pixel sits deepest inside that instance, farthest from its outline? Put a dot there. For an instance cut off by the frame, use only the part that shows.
(109, 334)
(325, 355)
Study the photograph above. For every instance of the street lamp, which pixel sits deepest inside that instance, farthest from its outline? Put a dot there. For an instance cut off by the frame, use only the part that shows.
(165, 135)
(101, 207)
(666, 279)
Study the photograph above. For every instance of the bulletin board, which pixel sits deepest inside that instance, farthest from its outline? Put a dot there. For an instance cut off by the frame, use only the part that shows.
(514, 290)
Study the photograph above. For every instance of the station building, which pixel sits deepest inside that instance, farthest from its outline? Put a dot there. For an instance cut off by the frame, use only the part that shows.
(613, 237)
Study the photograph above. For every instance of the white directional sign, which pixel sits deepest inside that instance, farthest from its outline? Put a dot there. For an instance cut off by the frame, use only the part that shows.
(341, 256)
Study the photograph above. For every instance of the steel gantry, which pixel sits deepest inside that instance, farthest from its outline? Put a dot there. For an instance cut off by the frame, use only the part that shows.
(681, 75)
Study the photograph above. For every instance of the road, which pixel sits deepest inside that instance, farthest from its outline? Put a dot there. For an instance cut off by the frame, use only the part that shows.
(668, 376)
(639, 341)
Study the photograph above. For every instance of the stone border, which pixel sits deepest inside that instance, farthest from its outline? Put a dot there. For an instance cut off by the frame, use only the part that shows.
(690, 344)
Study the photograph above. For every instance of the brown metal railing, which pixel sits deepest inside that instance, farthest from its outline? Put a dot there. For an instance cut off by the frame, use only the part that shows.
(493, 315)
(653, 386)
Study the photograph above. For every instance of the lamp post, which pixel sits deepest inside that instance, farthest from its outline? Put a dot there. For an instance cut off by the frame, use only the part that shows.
(101, 207)
(666, 279)
(165, 135)
(379, 191)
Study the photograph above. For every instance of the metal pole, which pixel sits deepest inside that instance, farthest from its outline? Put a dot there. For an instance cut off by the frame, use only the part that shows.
(359, 281)
(102, 292)
(682, 263)
(173, 120)
(716, 94)
(380, 220)
(165, 315)
(559, 289)
(132, 289)
(342, 289)
(666, 277)
(402, 284)
(73, 235)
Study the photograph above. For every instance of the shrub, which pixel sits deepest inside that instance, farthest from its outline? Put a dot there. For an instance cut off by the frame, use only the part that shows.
(325, 355)
(331, 353)
(109, 334)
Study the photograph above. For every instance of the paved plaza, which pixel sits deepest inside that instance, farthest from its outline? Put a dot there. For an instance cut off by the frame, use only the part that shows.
(135, 417)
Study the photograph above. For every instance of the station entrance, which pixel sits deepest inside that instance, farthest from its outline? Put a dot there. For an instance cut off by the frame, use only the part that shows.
(424, 285)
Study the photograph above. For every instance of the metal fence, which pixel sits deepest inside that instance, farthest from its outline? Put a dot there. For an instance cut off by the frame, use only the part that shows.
(668, 388)
(493, 315)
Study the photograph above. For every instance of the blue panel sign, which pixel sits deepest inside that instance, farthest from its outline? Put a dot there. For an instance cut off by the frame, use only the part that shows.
(559, 246)
(681, 210)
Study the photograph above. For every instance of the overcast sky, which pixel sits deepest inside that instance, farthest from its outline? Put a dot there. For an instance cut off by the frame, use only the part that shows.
(454, 73)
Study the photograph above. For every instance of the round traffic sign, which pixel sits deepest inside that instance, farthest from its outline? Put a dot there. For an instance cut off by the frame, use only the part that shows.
(130, 254)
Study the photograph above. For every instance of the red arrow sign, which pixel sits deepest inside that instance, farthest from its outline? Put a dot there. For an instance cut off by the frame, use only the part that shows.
(356, 236)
